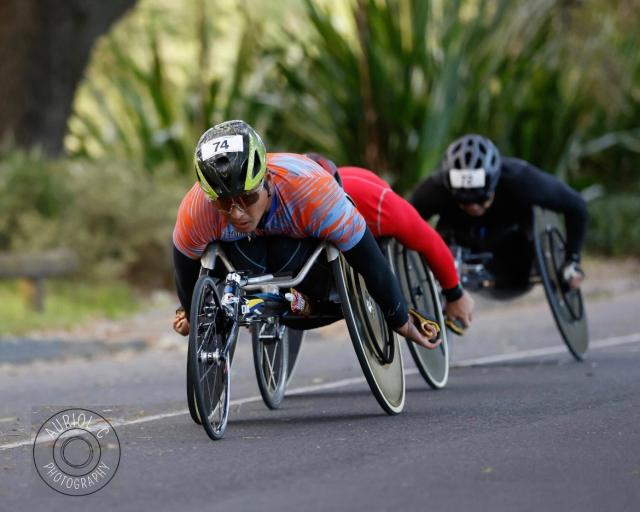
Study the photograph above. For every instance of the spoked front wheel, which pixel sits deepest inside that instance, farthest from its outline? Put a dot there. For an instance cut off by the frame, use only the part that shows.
(209, 364)
(375, 343)
(270, 343)
(191, 393)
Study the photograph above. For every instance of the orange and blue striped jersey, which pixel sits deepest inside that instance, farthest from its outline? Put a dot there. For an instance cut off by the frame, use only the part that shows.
(307, 202)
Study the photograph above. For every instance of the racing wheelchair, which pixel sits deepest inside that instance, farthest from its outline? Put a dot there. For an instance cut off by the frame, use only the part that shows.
(221, 307)
(548, 239)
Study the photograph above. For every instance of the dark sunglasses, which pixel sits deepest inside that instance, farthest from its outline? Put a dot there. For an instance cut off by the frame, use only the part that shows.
(241, 202)
(465, 199)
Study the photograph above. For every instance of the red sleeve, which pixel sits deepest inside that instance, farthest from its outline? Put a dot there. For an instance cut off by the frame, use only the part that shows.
(403, 222)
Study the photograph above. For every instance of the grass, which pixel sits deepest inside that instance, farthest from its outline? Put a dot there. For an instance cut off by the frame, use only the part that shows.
(67, 304)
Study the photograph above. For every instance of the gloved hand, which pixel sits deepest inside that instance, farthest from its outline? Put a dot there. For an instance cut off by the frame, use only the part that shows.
(572, 274)
(421, 330)
(459, 313)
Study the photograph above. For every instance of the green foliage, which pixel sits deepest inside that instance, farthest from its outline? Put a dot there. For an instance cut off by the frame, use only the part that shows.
(543, 79)
(116, 216)
(145, 106)
(613, 225)
(66, 304)
(25, 184)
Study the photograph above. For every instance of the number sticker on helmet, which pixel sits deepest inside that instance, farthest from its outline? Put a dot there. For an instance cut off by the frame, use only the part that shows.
(467, 178)
(231, 144)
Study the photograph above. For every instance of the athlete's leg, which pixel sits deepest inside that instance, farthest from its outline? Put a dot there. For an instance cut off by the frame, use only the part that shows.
(289, 255)
(279, 254)
(513, 255)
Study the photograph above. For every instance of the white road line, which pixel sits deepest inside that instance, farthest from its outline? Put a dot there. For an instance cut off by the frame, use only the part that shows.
(547, 351)
(515, 356)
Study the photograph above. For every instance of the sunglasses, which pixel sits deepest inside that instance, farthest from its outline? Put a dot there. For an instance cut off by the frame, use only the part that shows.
(241, 202)
(473, 199)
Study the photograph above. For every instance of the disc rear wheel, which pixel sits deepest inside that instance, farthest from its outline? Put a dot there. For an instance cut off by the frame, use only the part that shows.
(421, 292)
(567, 305)
(375, 343)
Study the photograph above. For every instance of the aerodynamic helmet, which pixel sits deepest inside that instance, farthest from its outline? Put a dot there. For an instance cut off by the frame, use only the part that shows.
(472, 164)
(230, 160)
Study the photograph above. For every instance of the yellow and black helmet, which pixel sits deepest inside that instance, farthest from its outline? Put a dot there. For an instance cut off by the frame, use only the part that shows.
(230, 160)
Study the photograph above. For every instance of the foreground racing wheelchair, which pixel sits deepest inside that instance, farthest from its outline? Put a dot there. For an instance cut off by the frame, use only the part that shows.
(567, 305)
(221, 307)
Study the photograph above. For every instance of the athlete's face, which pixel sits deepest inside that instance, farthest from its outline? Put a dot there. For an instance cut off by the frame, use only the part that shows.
(476, 209)
(244, 212)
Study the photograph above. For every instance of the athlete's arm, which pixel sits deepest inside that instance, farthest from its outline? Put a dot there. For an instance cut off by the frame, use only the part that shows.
(367, 259)
(186, 272)
(550, 193)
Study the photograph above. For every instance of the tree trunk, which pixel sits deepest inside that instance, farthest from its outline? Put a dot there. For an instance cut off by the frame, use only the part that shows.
(45, 46)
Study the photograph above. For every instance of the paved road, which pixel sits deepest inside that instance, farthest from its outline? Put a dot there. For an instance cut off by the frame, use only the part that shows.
(526, 433)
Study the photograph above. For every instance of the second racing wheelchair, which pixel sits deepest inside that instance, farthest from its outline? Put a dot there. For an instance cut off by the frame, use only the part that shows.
(547, 238)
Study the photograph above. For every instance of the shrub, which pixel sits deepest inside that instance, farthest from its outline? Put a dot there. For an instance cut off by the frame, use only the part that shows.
(614, 229)
(118, 218)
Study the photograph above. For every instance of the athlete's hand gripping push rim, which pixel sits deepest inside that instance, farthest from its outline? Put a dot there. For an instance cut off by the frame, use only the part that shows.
(427, 327)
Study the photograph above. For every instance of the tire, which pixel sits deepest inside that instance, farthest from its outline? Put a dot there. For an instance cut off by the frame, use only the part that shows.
(296, 337)
(191, 397)
(421, 292)
(567, 306)
(371, 338)
(209, 334)
(270, 345)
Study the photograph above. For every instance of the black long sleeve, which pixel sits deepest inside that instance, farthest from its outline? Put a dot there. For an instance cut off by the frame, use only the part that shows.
(367, 259)
(186, 275)
(550, 193)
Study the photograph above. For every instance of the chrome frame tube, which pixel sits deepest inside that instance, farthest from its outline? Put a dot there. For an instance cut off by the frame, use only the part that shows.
(254, 283)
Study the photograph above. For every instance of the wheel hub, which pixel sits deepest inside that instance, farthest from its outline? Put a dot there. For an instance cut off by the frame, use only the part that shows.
(210, 357)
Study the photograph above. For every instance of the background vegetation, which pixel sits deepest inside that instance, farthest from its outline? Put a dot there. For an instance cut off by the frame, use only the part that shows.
(380, 83)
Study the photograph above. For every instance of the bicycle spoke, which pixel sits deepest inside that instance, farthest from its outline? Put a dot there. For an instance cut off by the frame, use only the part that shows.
(269, 368)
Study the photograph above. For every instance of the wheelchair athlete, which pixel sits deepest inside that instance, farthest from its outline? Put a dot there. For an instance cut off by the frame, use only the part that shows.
(485, 203)
(268, 212)
(388, 214)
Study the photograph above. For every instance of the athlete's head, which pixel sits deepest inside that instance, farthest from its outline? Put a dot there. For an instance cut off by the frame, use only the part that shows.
(230, 160)
(230, 163)
(472, 164)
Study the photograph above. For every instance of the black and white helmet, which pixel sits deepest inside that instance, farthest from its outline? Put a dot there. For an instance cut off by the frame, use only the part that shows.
(472, 164)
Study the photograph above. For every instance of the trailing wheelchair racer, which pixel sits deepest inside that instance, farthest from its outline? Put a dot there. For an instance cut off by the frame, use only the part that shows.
(547, 264)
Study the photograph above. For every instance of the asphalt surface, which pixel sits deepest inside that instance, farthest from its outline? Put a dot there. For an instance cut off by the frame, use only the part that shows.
(534, 431)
